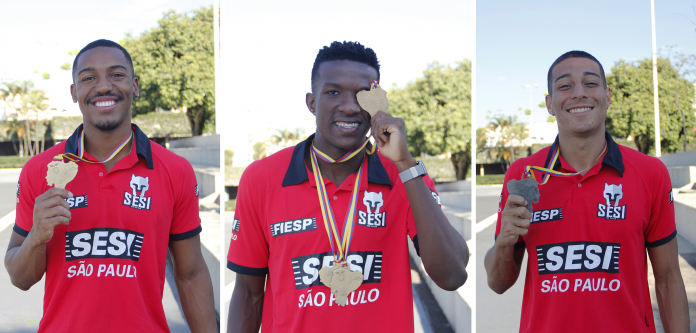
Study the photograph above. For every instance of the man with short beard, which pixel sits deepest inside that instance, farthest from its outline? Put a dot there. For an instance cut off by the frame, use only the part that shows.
(102, 240)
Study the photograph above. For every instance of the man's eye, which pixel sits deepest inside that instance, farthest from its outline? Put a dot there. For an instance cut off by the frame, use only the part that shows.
(88, 78)
(332, 92)
(118, 75)
(563, 86)
(592, 84)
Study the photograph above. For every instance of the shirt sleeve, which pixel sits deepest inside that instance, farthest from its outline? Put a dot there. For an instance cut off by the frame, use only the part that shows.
(661, 227)
(509, 175)
(26, 196)
(186, 222)
(249, 251)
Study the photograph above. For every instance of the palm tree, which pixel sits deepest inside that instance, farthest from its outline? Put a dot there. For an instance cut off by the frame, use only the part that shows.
(511, 136)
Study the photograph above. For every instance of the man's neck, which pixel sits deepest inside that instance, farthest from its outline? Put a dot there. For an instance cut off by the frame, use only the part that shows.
(100, 143)
(581, 152)
(335, 172)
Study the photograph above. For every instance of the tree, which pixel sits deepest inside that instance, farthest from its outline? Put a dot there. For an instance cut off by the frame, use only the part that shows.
(176, 66)
(437, 111)
(259, 150)
(27, 102)
(288, 138)
(632, 113)
(511, 134)
(229, 158)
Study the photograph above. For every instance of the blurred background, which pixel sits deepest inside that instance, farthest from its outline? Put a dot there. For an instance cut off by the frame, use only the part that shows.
(172, 44)
(516, 44)
(425, 52)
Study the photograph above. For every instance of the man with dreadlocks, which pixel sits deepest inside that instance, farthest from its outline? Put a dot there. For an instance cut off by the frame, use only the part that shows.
(323, 225)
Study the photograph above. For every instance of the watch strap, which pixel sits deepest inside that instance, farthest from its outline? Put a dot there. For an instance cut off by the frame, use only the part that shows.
(413, 172)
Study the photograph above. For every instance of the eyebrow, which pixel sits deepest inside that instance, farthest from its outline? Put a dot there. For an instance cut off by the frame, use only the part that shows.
(584, 74)
(88, 69)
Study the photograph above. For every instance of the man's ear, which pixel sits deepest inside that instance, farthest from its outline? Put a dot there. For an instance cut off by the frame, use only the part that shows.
(73, 93)
(310, 100)
(549, 106)
(136, 87)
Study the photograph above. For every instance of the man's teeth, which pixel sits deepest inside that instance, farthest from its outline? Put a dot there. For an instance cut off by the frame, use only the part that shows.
(105, 103)
(347, 125)
(579, 110)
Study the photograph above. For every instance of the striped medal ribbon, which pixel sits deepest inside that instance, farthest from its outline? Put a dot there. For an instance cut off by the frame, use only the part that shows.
(548, 170)
(81, 151)
(339, 278)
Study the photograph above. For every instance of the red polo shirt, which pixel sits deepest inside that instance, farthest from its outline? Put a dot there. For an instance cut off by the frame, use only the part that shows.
(279, 230)
(105, 270)
(587, 242)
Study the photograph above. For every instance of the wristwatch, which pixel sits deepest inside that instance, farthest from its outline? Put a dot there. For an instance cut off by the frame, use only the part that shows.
(413, 172)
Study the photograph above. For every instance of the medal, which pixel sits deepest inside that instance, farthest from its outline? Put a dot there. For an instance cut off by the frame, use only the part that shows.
(374, 100)
(339, 277)
(528, 188)
(60, 173)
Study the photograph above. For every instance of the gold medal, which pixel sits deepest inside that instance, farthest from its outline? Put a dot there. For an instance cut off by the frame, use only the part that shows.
(60, 174)
(374, 100)
(341, 280)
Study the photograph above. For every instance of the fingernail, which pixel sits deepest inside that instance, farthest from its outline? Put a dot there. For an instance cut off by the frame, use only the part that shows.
(70, 195)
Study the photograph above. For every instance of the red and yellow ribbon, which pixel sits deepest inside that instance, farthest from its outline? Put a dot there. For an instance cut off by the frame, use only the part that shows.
(344, 241)
(548, 170)
(81, 151)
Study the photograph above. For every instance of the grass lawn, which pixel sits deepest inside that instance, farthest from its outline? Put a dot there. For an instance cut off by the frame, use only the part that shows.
(13, 162)
(490, 180)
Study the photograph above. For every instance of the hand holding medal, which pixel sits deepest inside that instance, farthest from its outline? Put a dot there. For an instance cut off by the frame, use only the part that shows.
(60, 173)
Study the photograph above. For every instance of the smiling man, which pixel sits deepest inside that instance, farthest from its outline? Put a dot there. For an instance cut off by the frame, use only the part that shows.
(283, 236)
(601, 206)
(102, 239)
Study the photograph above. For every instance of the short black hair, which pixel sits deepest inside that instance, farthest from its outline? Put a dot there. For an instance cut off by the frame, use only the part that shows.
(352, 51)
(574, 54)
(103, 43)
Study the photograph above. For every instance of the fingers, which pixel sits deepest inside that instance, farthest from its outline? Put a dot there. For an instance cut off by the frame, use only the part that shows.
(383, 125)
(515, 220)
(61, 192)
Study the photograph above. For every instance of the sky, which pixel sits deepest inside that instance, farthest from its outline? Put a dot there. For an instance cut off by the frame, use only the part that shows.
(37, 36)
(517, 41)
(267, 52)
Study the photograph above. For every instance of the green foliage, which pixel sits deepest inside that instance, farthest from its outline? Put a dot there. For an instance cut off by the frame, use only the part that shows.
(632, 113)
(551, 119)
(490, 180)
(66, 66)
(176, 66)
(74, 52)
(46, 76)
(230, 205)
(439, 169)
(259, 150)
(161, 125)
(229, 155)
(437, 111)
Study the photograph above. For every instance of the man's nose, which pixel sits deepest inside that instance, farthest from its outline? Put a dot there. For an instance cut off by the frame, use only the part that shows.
(349, 104)
(104, 85)
(579, 91)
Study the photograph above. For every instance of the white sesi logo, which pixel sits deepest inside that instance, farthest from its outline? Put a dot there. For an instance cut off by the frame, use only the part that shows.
(372, 218)
(612, 193)
(137, 199)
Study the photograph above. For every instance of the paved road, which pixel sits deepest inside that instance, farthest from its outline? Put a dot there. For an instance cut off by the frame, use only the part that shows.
(494, 313)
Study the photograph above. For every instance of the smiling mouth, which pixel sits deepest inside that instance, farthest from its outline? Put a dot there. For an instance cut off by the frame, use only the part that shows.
(104, 103)
(346, 125)
(579, 110)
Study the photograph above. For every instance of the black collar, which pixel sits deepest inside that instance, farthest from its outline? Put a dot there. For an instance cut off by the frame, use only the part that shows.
(142, 144)
(297, 171)
(612, 158)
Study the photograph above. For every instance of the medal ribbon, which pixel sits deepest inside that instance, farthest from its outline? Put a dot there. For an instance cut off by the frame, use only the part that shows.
(548, 171)
(81, 151)
(327, 213)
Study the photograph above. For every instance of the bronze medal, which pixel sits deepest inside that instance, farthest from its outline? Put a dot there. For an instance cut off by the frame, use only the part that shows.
(60, 174)
(341, 280)
(374, 100)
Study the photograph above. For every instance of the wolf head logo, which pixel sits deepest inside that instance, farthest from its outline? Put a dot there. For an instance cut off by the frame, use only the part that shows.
(613, 193)
(373, 201)
(139, 184)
